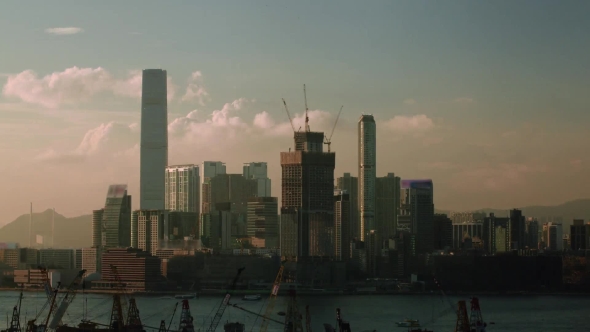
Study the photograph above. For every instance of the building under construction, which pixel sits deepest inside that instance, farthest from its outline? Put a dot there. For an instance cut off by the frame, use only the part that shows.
(308, 188)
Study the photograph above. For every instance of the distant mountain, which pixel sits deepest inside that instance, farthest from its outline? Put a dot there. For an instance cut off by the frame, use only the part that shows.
(69, 232)
(568, 211)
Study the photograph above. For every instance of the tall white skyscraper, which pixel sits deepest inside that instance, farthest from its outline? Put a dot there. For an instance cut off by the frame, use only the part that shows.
(183, 188)
(367, 154)
(258, 171)
(154, 140)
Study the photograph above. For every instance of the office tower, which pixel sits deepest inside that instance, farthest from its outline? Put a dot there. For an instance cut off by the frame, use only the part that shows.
(580, 235)
(308, 188)
(387, 202)
(367, 163)
(209, 170)
(531, 233)
(258, 172)
(421, 210)
(154, 139)
(350, 184)
(57, 258)
(183, 188)
(554, 237)
(116, 218)
(342, 222)
(150, 229)
(263, 220)
(517, 229)
(97, 227)
(462, 217)
(496, 234)
(467, 234)
(443, 232)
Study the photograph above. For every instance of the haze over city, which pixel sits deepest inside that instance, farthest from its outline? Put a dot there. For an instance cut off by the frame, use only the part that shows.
(493, 112)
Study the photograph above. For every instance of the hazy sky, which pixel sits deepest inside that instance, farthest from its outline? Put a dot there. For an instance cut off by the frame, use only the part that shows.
(488, 98)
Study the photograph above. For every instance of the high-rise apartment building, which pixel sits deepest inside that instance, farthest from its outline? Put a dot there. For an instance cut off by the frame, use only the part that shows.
(263, 220)
(183, 188)
(420, 205)
(258, 171)
(387, 202)
(115, 226)
(580, 235)
(97, 227)
(308, 188)
(517, 229)
(367, 163)
(342, 222)
(154, 139)
(350, 184)
(496, 234)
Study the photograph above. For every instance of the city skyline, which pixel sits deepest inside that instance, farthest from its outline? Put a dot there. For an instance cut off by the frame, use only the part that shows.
(483, 144)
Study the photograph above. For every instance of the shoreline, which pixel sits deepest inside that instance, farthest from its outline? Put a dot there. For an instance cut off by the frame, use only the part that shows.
(213, 293)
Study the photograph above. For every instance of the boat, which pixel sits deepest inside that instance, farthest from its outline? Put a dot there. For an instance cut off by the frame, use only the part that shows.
(185, 296)
(256, 297)
(408, 323)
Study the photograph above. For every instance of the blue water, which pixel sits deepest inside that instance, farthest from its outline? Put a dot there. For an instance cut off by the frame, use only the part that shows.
(522, 314)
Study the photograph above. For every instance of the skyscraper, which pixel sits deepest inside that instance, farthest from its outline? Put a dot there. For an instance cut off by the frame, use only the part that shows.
(209, 170)
(342, 224)
(183, 188)
(154, 139)
(263, 220)
(367, 163)
(387, 202)
(350, 184)
(116, 218)
(420, 205)
(259, 172)
(308, 189)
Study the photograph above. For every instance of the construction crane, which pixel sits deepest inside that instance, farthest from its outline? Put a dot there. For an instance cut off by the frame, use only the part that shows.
(328, 140)
(343, 326)
(271, 301)
(15, 321)
(224, 303)
(475, 317)
(186, 319)
(289, 115)
(48, 291)
(66, 301)
(307, 129)
(307, 319)
(462, 324)
(293, 316)
(117, 321)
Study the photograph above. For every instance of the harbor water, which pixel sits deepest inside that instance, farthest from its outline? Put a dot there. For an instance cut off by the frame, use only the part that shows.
(511, 313)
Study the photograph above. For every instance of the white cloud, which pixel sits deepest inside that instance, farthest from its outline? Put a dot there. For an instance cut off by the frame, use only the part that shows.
(64, 31)
(195, 89)
(464, 100)
(73, 85)
(107, 138)
(416, 123)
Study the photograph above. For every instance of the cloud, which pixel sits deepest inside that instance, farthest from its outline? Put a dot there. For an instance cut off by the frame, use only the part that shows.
(409, 101)
(404, 124)
(111, 137)
(64, 31)
(464, 100)
(73, 85)
(474, 177)
(195, 89)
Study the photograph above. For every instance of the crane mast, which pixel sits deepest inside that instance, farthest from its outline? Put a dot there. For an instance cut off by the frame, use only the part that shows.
(307, 129)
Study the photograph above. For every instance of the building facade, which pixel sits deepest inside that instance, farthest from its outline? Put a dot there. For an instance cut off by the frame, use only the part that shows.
(116, 218)
(263, 220)
(153, 153)
(387, 202)
(367, 164)
(183, 188)
(308, 187)
(350, 184)
(342, 222)
(419, 204)
(258, 171)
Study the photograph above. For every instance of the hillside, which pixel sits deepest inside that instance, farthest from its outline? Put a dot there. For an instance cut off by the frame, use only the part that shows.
(69, 232)
(578, 209)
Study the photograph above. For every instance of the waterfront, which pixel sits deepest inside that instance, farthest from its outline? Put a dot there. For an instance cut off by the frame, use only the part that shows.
(511, 313)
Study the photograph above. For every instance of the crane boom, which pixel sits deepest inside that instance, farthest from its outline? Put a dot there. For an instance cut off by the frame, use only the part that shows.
(66, 301)
(289, 115)
(224, 303)
(273, 296)
(328, 141)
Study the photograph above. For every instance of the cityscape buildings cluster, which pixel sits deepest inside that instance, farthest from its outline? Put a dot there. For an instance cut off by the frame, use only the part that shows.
(378, 226)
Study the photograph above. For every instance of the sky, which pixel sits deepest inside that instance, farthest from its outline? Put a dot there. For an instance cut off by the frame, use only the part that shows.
(487, 98)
